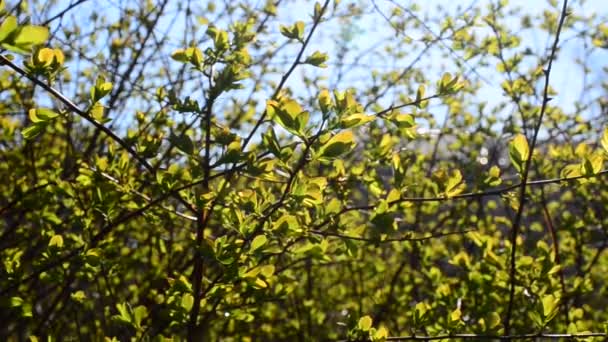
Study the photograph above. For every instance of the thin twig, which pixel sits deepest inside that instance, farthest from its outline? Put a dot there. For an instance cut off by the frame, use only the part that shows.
(526, 169)
(491, 337)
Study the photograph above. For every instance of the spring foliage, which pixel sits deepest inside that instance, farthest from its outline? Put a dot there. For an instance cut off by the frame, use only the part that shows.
(267, 174)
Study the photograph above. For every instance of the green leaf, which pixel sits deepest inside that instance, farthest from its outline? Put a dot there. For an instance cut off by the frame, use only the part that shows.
(101, 89)
(421, 310)
(180, 55)
(550, 305)
(493, 178)
(41, 115)
(139, 313)
(402, 120)
(258, 242)
(32, 131)
(365, 323)
(494, 320)
(289, 115)
(380, 335)
(592, 164)
(456, 315)
(8, 26)
(454, 184)
(519, 151)
(571, 171)
(604, 140)
(393, 196)
(182, 142)
(286, 223)
(124, 314)
(419, 95)
(97, 112)
(187, 301)
(355, 120)
(56, 241)
(267, 270)
(78, 296)
(16, 302)
(24, 38)
(299, 30)
(317, 59)
(325, 102)
(337, 145)
(233, 153)
(296, 31)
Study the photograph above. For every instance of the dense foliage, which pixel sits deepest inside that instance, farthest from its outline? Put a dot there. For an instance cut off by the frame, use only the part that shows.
(288, 171)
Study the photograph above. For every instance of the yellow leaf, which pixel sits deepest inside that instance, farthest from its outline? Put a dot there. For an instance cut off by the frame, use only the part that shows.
(31, 35)
(365, 323)
(355, 120)
(45, 57)
(604, 140)
(519, 151)
(56, 241)
(258, 242)
(454, 185)
(455, 315)
(337, 145)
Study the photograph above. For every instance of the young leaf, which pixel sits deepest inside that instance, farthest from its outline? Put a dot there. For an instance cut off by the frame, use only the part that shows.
(41, 115)
(365, 323)
(7, 27)
(139, 313)
(317, 59)
(455, 315)
(187, 301)
(454, 184)
(519, 151)
(604, 140)
(592, 164)
(420, 95)
(101, 89)
(337, 145)
(97, 111)
(56, 241)
(549, 303)
(182, 142)
(289, 115)
(325, 101)
(380, 335)
(355, 120)
(494, 320)
(258, 242)
(78, 296)
(32, 131)
(299, 30)
(402, 120)
(493, 178)
(180, 55)
(25, 37)
(123, 310)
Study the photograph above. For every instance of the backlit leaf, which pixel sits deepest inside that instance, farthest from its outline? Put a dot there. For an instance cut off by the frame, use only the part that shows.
(604, 140)
(337, 145)
(519, 151)
(355, 120)
(258, 242)
(7, 27)
(365, 323)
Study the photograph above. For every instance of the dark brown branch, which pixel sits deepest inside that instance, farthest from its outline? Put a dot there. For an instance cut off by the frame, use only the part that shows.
(526, 170)
(491, 337)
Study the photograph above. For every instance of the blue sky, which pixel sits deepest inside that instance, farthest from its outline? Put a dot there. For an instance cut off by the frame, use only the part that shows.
(565, 77)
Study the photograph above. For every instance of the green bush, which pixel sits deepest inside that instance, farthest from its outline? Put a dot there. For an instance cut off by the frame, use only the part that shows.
(362, 171)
